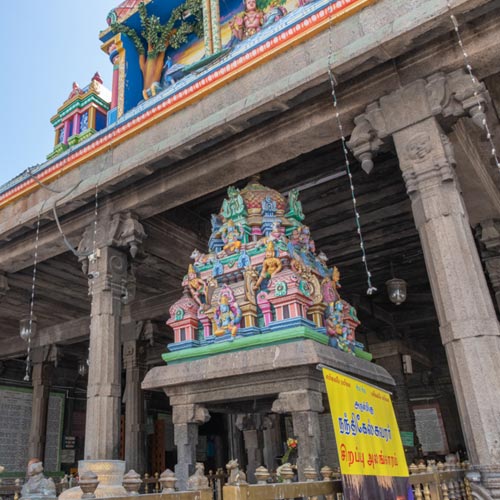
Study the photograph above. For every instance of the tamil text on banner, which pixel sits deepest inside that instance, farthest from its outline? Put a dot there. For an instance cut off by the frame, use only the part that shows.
(371, 455)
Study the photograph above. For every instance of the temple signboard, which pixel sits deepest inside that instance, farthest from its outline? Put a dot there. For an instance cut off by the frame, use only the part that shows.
(15, 423)
(371, 454)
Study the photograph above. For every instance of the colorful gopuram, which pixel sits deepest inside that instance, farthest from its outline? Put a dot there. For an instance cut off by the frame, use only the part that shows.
(81, 115)
(262, 282)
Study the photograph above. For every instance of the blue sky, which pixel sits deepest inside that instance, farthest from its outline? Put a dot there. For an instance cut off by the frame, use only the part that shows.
(45, 45)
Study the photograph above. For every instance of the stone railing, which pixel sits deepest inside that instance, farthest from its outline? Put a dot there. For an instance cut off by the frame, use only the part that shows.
(132, 483)
(311, 489)
(10, 488)
(440, 481)
(429, 481)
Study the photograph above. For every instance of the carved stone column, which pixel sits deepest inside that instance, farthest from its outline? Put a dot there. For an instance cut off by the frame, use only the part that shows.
(186, 419)
(103, 252)
(304, 407)
(135, 438)
(273, 446)
(41, 377)
(468, 324)
(102, 429)
(251, 426)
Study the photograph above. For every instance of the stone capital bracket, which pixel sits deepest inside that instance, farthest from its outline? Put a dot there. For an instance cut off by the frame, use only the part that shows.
(122, 231)
(109, 271)
(294, 401)
(133, 354)
(248, 421)
(444, 96)
(190, 414)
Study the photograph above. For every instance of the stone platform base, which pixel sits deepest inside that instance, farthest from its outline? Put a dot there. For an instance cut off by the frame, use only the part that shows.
(110, 475)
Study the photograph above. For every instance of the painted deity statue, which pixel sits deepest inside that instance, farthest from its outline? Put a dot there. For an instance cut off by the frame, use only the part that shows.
(268, 215)
(271, 265)
(301, 246)
(295, 206)
(275, 13)
(262, 275)
(276, 232)
(227, 315)
(248, 22)
(38, 486)
(231, 236)
(215, 242)
(341, 322)
(330, 285)
(197, 287)
(233, 207)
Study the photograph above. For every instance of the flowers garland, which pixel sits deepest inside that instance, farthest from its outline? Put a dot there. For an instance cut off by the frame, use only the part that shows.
(291, 445)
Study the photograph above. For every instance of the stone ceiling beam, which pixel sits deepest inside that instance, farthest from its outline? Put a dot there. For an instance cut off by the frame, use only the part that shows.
(77, 330)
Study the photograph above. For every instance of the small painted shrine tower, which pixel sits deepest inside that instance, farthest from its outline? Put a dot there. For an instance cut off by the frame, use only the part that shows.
(81, 115)
(261, 282)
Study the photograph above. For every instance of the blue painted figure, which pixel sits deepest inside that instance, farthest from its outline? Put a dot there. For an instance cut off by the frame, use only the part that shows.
(268, 215)
(171, 73)
(215, 243)
(243, 260)
(227, 315)
(218, 269)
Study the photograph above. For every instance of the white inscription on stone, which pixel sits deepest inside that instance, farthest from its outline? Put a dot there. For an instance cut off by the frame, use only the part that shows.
(430, 430)
(15, 423)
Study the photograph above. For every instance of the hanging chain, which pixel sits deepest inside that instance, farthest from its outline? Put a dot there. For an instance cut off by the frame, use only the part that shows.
(489, 135)
(93, 255)
(371, 289)
(32, 300)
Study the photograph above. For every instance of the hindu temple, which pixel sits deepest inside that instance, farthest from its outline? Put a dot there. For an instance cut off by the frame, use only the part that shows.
(266, 188)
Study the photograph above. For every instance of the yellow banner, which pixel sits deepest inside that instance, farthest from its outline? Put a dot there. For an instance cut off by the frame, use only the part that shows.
(366, 431)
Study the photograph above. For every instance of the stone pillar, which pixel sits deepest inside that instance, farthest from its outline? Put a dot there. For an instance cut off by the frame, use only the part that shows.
(135, 437)
(273, 446)
(108, 273)
(468, 324)
(251, 426)
(41, 377)
(186, 419)
(103, 253)
(304, 407)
